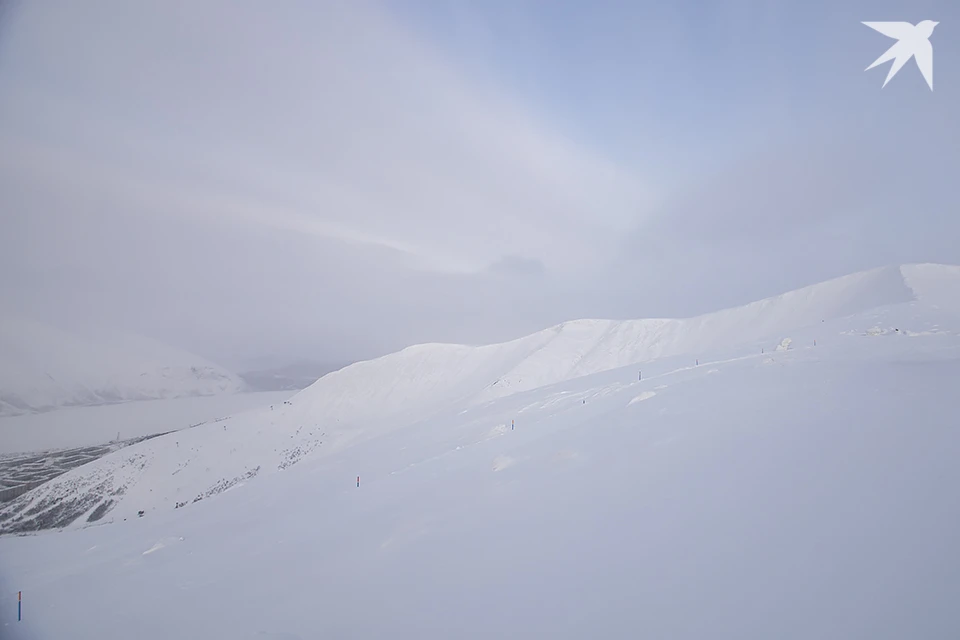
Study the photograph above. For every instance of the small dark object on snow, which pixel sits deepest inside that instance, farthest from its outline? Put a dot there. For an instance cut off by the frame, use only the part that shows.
(140, 513)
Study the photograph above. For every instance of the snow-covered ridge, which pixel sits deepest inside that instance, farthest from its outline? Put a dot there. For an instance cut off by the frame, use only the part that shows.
(436, 374)
(44, 368)
(369, 399)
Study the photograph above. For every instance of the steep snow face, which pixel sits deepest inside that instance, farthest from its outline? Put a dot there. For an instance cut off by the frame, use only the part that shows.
(803, 493)
(43, 368)
(369, 399)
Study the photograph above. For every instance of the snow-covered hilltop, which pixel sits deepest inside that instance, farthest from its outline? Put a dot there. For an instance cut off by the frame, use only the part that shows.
(434, 375)
(44, 368)
(446, 382)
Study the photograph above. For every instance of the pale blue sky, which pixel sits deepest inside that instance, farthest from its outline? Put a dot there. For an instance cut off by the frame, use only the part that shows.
(342, 179)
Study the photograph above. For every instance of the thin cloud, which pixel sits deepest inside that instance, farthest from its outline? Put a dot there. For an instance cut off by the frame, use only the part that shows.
(339, 125)
(339, 180)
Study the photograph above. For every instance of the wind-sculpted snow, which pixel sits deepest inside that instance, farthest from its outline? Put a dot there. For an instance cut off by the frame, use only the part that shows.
(369, 399)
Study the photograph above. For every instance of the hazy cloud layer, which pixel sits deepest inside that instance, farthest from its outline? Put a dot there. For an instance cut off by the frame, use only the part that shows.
(343, 179)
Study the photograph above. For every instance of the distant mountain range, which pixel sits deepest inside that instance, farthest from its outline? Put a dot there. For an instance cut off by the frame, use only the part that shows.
(44, 368)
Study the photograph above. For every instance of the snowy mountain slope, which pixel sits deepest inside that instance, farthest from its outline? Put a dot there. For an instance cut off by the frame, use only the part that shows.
(43, 368)
(615, 344)
(366, 400)
(584, 347)
(791, 494)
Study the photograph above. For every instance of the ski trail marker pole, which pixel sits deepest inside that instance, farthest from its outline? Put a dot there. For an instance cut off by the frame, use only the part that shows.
(358, 482)
(19, 604)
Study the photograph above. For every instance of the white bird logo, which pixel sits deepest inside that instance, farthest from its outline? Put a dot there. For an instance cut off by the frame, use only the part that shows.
(912, 42)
